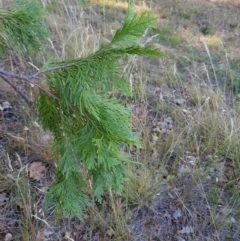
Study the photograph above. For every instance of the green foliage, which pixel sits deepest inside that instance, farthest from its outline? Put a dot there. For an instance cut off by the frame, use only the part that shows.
(88, 124)
(22, 28)
(90, 127)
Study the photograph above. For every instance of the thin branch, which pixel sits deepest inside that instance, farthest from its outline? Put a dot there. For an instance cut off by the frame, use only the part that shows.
(26, 78)
(29, 78)
(17, 76)
(35, 76)
(29, 102)
(77, 61)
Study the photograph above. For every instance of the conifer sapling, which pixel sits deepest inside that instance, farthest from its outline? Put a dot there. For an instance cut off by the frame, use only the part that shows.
(88, 124)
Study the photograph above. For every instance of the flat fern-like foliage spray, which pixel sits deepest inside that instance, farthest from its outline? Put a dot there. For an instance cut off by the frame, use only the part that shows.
(90, 126)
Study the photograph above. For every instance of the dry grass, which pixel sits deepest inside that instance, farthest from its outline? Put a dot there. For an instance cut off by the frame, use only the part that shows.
(186, 110)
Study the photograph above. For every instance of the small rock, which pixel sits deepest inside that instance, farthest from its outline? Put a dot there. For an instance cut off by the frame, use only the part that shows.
(179, 101)
(177, 214)
(8, 237)
(6, 105)
(164, 125)
(169, 120)
(186, 230)
(191, 160)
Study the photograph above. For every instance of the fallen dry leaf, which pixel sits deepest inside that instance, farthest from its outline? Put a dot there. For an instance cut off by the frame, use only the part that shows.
(36, 170)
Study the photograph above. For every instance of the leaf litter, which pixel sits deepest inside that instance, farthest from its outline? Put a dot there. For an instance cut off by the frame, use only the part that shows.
(36, 170)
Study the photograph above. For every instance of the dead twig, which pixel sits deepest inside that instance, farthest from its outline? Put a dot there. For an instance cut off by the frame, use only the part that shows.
(29, 102)
(28, 79)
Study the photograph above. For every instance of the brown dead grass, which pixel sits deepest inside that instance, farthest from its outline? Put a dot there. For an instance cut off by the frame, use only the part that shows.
(234, 2)
(191, 86)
